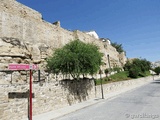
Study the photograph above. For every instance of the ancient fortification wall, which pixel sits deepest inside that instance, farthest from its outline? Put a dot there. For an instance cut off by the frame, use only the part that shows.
(40, 37)
(26, 38)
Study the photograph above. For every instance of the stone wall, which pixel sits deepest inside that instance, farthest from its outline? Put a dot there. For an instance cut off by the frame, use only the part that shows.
(14, 103)
(26, 25)
(50, 96)
(123, 86)
(26, 38)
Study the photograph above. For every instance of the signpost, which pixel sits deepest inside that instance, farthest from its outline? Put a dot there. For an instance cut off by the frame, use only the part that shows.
(30, 95)
(30, 68)
(22, 67)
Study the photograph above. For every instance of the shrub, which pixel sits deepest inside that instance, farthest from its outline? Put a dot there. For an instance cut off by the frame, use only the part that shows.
(157, 70)
(106, 71)
(118, 69)
(137, 67)
(134, 71)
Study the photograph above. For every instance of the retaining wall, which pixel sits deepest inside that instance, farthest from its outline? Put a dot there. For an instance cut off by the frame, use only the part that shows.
(50, 96)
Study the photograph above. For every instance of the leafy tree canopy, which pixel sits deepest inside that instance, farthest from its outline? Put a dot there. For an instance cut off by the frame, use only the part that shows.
(75, 58)
(157, 70)
(137, 67)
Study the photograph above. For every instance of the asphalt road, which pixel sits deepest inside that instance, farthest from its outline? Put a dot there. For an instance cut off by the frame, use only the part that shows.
(142, 103)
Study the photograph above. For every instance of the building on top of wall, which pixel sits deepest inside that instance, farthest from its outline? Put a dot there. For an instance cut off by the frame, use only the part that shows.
(106, 40)
(93, 33)
(155, 64)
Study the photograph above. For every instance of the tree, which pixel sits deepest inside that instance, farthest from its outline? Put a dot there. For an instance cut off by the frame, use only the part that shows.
(106, 71)
(134, 71)
(143, 64)
(118, 47)
(157, 70)
(75, 58)
(137, 67)
(127, 66)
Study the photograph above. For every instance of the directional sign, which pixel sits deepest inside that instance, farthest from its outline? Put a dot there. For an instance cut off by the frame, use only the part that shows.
(33, 67)
(26, 67)
(22, 67)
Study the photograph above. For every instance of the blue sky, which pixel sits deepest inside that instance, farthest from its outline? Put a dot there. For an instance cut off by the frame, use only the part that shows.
(133, 23)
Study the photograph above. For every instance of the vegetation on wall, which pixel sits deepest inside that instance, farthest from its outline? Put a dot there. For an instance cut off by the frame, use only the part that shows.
(132, 69)
(75, 58)
(121, 76)
(118, 47)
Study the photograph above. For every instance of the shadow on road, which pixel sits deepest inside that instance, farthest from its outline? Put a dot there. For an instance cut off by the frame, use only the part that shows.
(156, 82)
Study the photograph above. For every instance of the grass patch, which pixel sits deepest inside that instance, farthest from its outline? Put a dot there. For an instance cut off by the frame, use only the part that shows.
(121, 76)
(114, 78)
(146, 73)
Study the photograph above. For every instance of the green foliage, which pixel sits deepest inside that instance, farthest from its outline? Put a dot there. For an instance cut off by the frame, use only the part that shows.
(75, 58)
(143, 64)
(127, 66)
(144, 74)
(118, 69)
(134, 71)
(118, 47)
(119, 76)
(137, 67)
(157, 70)
(98, 81)
(106, 71)
(113, 78)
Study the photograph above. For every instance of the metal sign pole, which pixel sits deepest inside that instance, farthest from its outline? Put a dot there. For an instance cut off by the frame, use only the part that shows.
(30, 96)
(26, 67)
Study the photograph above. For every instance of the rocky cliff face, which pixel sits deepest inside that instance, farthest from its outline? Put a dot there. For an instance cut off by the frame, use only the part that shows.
(26, 38)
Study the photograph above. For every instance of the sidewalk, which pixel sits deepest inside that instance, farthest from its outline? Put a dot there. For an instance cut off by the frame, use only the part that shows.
(52, 115)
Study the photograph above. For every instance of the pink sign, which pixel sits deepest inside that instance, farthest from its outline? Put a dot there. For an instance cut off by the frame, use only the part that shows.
(22, 67)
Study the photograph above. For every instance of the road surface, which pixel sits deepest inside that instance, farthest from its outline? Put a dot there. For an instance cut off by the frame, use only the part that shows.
(142, 103)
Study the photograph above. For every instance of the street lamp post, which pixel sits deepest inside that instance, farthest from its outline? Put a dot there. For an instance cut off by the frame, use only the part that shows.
(101, 84)
(109, 63)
